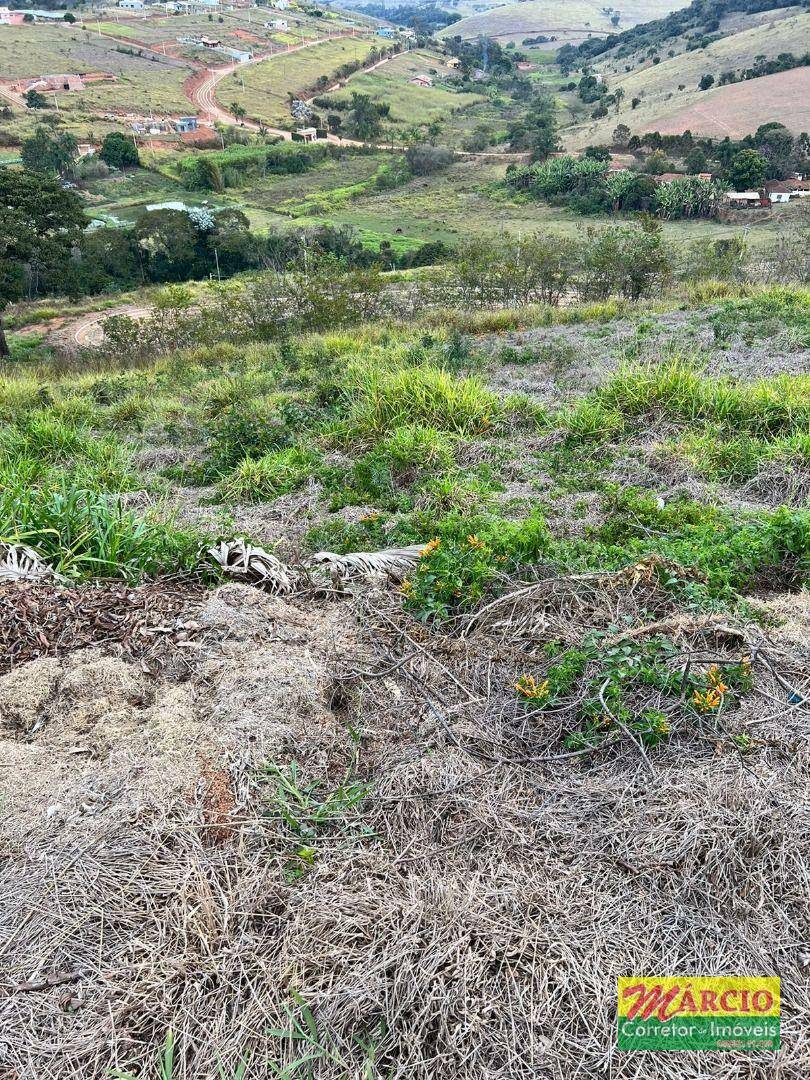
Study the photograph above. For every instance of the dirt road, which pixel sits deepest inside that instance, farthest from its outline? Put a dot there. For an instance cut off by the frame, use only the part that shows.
(87, 332)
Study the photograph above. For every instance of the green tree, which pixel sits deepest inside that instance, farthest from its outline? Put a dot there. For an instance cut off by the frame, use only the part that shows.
(40, 223)
(238, 110)
(706, 82)
(364, 116)
(69, 17)
(34, 100)
(747, 170)
(119, 151)
(696, 160)
(46, 154)
(167, 241)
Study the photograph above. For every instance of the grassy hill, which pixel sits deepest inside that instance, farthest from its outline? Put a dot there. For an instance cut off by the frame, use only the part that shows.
(568, 20)
(668, 94)
(264, 89)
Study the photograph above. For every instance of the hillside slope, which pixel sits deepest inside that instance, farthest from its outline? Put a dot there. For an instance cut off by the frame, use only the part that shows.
(569, 21)
(668, 91)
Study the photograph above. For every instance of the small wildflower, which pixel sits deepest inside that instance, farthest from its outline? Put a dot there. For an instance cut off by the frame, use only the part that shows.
(430, 547)
(528, 687)
(716, 679)
(406, 588)
(474, 542)
(707, 700)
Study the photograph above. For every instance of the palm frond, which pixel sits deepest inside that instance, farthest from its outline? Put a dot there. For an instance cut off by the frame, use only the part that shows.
(393, 563)
(240, 559)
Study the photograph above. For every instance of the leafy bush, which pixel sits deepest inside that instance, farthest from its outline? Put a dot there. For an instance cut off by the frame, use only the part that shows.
(378, 401)
(267, 477)
(466, 554)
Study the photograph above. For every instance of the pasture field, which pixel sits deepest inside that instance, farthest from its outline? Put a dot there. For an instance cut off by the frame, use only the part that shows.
(470, 199)
(411, 105)
(264, 89)
(670, 100)
(569, 20)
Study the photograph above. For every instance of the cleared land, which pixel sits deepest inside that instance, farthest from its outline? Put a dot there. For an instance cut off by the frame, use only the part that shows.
(570, 21)
(326, 826)
(411, 105)
(269, 84)
(740, 108)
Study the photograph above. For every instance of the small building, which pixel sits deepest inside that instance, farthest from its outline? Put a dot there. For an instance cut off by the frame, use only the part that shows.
(743, 199)
(131, 5)
(386, 31)
(10, 18)
(277, 24)
(524, 65)
(55, 82)
(453, 62)
(307, 134)
(422, 80)
(185, 123)
(280, 5)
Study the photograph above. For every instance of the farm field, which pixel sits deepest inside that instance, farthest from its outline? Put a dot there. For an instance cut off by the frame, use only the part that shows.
(141, 84)
(569, 20)
(264, 89)
(740, 108)
(334, 779)
(412, 105)
(469, 199)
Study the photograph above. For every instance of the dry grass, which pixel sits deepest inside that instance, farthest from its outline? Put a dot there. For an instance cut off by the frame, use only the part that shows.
(468, 917)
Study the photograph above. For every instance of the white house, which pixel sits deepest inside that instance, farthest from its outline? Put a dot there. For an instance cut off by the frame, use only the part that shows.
(280, 5)
(131, 5)
(278, 24)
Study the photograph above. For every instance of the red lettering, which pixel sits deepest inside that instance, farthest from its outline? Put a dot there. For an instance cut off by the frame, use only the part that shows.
(650, 1001)
(767, 998)
(745, 1006)
(688, 1003)
(708, 1001)
(724, 1005)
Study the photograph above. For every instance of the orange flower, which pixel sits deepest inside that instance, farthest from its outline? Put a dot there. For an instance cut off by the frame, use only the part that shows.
(430, 547)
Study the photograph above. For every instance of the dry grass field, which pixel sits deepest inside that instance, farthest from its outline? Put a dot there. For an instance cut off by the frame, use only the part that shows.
(570, 20)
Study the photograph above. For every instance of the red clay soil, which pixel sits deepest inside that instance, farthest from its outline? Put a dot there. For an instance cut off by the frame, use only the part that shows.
(739, 108)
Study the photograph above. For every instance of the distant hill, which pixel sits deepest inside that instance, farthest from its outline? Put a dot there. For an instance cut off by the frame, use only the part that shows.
(742, 55)
(570, 21)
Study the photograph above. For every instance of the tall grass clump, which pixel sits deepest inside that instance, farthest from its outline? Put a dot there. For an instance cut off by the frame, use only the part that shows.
(267, 477)
(84, 533)
(377, 401)
(680, 392)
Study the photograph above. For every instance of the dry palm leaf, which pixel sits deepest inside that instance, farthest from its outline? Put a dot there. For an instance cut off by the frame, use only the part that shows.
(240, 559)
(393, 563)
(21, 563)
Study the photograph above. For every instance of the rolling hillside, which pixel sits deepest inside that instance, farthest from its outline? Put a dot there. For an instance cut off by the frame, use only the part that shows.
(568, 20)
(667, 92)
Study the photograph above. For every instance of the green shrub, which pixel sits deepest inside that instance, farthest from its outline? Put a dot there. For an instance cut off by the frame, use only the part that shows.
(84, 533)
(465, 556)
(267, 477)
(378, 401)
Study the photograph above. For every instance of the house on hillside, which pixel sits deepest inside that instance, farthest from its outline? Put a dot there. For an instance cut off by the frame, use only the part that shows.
(131, 5)
(422, 80)
(452, 62)
(277, 24)
(307, 134)
(386, 31)
(55, 82)
(747, 199)
(280, 5)
(184, 124)
(782, 191)
(10, 18)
